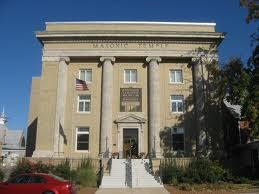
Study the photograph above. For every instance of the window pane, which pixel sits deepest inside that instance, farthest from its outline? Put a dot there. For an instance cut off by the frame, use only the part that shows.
(127, 76)
(180, 106)
(89, 76)
(134, 75)
(177, 97)
(178, 76)
(87, 106)
(82, 74)
(82, 141)
(172, 76)
(178, 142)
(82, 146)
(83, 129)
(174, 107)
(84, 97)
(81, 106)
(82, 137)
(37, 179)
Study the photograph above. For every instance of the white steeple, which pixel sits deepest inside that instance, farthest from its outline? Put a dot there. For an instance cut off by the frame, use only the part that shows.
(3, 118)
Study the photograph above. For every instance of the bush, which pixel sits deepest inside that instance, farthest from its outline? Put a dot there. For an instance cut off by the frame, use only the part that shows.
(200, 170)
(86, 174)
(171, 173)
(1, 175)
(64, 170)
(26, 166)
(23, 166)
(204, 170)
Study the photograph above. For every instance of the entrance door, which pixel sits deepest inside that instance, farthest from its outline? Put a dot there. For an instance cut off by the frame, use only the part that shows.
(130, 142)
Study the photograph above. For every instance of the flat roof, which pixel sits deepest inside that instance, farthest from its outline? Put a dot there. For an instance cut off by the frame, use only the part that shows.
(134, 22)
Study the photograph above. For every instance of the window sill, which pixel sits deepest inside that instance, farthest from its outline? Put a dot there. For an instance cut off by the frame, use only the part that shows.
(177, 113)
(176, 83)
(82, 151)
(83, 112)
(130, 82)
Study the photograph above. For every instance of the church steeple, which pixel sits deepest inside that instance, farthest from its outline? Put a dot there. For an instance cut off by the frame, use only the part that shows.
(3, 118)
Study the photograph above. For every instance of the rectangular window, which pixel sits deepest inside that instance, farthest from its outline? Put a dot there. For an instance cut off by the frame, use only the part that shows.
(176, 76)
(82, 139)
(86, 75)
(130, 76)
(84, 103)
(178, 139)
(177, 104)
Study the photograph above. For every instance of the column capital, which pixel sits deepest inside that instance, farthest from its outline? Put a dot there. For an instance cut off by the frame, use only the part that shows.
(157, 59)
(65, 59)
(112, 59)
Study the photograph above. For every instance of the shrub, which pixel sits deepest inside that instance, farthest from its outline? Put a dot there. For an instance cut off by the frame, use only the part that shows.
(1, 175)
(63, 170)
(204, 170)
(200, 170)
(171, 173)
(86, 174)
(23, 166)
(40, 167)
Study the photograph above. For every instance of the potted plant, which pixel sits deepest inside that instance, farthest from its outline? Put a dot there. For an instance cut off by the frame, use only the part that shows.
(142, 155)
(115, 155)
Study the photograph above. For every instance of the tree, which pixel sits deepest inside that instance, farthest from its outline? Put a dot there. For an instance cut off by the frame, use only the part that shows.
(250, 107)
(253, 9)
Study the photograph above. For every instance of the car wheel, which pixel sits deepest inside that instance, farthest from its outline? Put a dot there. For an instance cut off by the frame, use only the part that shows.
(48, 192)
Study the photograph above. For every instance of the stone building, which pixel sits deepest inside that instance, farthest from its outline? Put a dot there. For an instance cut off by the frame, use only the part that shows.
(12, 142)
(119, 87)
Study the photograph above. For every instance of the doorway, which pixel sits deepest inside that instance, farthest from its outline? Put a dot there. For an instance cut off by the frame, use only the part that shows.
(130, 143)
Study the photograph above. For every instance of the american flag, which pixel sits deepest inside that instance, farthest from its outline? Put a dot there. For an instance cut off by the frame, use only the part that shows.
(81, 85)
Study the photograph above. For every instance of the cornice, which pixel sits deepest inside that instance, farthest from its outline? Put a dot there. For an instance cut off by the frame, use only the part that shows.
(66, 36)
(131, 41)
(134, 22)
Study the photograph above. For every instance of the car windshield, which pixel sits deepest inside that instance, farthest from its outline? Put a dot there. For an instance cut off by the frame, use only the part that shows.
(57, 177)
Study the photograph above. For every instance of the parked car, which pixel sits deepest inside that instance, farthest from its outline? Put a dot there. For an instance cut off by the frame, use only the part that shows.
(37, 183)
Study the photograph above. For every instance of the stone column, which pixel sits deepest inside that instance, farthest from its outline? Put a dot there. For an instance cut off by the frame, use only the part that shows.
(154, 106)
(199, 103)
(106, 114)
(60, 107)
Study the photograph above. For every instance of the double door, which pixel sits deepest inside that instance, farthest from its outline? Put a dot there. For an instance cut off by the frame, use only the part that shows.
(130, 143)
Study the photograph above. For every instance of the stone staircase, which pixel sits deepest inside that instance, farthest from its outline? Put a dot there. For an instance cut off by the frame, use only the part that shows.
(132, 173)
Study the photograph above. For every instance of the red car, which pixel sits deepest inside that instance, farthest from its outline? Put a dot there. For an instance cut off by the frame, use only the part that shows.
(36, 183)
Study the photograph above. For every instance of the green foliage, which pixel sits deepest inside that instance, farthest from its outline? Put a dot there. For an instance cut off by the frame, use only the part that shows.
(253, 11)
(64, 170)
(251, 105)
(26, 166)
(204, 170)
(23, 166)
(87, 177)
(171, 173)
(1, 175)
(200, 170)
(236, 81)
(86, 174)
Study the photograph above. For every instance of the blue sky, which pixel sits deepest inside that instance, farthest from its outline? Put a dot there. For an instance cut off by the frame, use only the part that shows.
(20, 52)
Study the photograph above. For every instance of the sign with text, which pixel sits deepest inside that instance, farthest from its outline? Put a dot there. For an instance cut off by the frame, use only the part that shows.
(130, 100)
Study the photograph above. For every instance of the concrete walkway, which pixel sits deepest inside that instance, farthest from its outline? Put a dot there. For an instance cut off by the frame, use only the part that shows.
(135, 191)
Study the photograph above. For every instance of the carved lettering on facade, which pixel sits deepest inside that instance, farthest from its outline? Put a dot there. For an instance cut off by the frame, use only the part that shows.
(128, 45)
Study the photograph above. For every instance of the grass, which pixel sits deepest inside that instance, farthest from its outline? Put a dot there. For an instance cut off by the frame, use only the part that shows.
(221, 186)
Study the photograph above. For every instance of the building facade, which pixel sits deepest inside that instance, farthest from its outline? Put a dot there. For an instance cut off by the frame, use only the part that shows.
(119, 87)
(12, 142)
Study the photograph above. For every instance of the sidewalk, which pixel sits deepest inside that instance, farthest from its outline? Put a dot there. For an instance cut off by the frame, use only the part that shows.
(135, 191)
